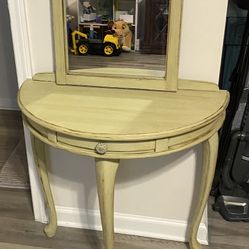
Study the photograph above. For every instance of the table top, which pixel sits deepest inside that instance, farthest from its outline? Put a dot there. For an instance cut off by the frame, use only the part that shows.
(119, 114)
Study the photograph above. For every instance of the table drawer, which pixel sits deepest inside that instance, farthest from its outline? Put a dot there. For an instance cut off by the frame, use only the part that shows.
(102, 147)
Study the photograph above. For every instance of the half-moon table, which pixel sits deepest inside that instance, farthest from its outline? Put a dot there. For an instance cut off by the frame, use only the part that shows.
(113, 124)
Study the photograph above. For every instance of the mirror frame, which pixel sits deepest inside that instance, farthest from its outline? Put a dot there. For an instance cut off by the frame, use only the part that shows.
(64, 77)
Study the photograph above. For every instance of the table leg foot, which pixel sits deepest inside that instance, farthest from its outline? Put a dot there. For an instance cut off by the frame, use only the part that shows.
(194, 244)
(50, 230)
(210, 149)
(40, 158)
(105, 174)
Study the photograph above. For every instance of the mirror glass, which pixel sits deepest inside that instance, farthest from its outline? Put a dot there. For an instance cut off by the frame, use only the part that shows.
(117, 37)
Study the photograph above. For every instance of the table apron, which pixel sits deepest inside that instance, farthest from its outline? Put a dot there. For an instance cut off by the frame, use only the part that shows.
(124, 149)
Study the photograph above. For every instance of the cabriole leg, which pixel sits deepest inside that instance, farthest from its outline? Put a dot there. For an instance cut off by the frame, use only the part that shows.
(105, 174)
(40, 158)
(210, 149)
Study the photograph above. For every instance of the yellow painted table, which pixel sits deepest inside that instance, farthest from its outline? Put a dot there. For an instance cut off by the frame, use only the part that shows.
(113, 124)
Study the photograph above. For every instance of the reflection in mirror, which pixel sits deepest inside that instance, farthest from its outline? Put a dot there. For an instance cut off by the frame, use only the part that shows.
(117, 36)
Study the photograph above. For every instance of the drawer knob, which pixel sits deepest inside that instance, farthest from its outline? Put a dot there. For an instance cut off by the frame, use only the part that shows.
(101, 148)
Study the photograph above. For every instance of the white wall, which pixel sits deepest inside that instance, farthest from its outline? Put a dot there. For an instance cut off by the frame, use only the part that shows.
(202, 39)
(8, 81)
(153, 196)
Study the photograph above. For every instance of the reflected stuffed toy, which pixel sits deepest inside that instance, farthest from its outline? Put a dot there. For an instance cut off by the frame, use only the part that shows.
(124, 34)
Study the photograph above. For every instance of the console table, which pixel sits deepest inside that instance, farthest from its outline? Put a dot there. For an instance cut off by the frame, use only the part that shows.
(113, 124)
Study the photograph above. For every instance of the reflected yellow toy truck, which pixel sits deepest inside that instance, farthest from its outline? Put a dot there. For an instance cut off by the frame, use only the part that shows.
(83, 45)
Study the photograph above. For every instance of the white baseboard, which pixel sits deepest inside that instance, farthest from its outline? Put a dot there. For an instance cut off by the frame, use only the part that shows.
(130, 224)
(8, 104)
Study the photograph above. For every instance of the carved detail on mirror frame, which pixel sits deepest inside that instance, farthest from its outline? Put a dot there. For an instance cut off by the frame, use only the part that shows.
(119, 77)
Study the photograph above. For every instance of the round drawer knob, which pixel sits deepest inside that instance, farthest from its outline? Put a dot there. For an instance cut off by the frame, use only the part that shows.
(101, 148)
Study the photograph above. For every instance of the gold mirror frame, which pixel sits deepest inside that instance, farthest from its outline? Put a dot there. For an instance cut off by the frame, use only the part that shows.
(64, 77)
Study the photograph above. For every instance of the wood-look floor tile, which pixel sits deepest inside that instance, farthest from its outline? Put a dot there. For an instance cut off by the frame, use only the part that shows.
(7, 145)
(19, 231)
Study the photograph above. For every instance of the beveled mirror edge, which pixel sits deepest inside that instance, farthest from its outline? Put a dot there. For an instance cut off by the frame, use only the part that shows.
(170, 83)
(59, 43)
(173, 45)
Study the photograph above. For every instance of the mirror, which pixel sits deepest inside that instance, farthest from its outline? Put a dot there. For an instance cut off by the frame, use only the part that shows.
(117, 36)
(117, 43)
